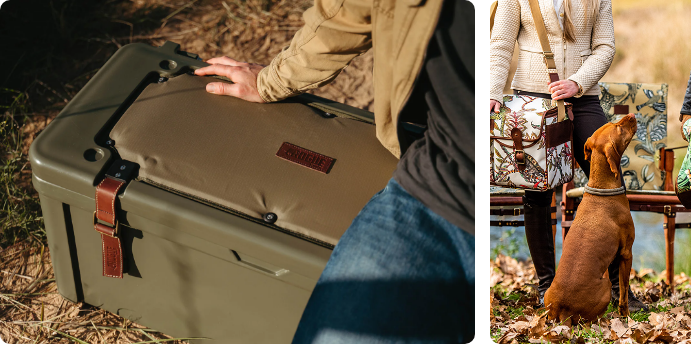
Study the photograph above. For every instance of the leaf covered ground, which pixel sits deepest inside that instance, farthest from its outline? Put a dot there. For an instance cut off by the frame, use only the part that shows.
(514, 317)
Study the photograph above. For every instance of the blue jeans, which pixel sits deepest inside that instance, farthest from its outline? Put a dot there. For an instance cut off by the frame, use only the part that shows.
(399, 274)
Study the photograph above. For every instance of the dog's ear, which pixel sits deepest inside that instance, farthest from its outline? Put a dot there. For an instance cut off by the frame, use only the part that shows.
(587, 150)
(612, 159)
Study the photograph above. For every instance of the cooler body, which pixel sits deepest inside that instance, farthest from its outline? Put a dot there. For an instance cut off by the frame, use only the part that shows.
(196, 265)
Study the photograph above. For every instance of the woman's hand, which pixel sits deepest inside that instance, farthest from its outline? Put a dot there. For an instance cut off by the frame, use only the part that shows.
(494, 106)
(563, 89)
(242, 74)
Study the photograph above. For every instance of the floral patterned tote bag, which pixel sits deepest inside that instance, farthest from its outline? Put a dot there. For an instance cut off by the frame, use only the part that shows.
(531, 139)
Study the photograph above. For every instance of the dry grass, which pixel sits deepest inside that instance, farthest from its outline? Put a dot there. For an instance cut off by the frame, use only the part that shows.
(69, 41)
(31, 310)
(244, 32)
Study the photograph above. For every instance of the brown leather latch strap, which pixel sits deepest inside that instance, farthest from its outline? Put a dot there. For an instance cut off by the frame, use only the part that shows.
(117, 176)
(106, 195)
(519, 153)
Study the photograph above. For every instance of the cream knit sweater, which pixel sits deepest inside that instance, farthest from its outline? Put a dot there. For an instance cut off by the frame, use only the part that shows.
(584, 61)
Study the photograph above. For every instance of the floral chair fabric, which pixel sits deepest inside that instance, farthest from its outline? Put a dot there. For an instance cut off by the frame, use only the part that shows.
(649, 103)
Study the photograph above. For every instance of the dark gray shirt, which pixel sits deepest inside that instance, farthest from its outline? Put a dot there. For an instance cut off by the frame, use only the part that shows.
(438, 168)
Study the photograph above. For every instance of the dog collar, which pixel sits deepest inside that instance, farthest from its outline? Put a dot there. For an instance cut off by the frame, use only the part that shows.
(605, 192)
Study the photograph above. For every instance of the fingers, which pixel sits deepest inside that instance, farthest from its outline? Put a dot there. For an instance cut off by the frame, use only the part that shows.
(554, 85)
(222, 88)
(551, 85)
(497, 106)
(492, 105)
(217, 69)
(235, 90)
(556, 92)
(243, 76)
(224, 60)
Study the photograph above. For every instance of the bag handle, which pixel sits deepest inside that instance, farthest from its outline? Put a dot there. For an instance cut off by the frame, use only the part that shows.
(544, 42)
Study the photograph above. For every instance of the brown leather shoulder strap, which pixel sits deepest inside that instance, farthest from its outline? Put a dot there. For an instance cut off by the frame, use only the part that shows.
(546, 51)
(492, 14)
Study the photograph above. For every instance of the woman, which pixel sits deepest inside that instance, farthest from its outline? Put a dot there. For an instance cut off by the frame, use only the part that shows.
(581, 35)
(684, 177)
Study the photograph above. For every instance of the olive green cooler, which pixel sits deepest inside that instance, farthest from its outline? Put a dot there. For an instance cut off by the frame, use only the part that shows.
(230, 209)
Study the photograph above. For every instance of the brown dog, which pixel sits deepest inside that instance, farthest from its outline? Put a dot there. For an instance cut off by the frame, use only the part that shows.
(602, 232)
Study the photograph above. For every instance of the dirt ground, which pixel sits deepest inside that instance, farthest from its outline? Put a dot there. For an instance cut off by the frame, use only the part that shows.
(31, 310)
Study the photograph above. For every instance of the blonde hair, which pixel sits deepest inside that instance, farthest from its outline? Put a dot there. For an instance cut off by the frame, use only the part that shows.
(591, 8)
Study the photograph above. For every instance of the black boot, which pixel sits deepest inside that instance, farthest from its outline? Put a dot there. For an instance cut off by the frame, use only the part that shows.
(635, 304)
(538, 232)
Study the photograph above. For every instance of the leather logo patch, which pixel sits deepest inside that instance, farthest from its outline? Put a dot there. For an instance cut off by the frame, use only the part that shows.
(111, 257)
(304, 157)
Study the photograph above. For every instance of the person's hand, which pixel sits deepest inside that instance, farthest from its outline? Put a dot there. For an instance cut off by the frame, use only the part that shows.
(563, 89)
(242, 74)
(494, 105)
(684, 118)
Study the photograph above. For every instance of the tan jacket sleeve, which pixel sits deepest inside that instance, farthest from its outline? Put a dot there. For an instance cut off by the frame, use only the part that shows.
(602, 46)
(335, 32)
(502, 42)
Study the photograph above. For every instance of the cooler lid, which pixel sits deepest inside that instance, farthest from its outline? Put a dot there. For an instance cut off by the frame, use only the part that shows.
(313, 171)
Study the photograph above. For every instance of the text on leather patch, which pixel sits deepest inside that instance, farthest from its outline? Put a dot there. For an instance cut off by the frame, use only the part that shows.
(305, 157)
(111, 257)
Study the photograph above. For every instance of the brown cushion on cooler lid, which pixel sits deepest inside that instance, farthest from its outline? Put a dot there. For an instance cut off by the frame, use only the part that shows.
(223, 151)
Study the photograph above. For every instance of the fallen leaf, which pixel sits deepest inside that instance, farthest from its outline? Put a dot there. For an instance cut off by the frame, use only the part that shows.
(603, 329)
(661, 335)
(521, 327)
(645, 327)
(653, 294)
(619, 328)
(507, 338)
(641, 336)
(537, 326)
(645, 272)
(656, 319)
(686, 320)
(613, 335)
